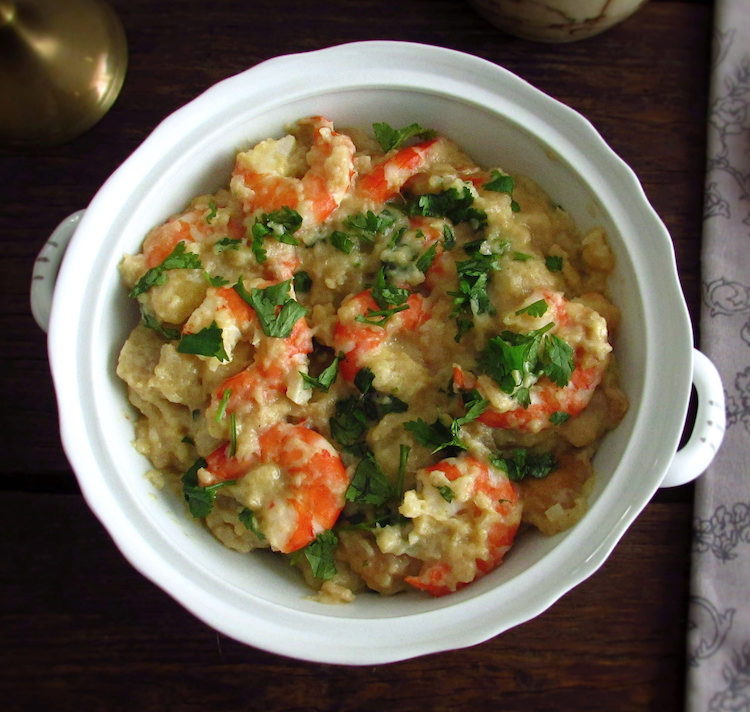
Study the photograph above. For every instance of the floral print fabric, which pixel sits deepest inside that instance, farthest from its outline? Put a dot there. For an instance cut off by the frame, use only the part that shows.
(718, 676)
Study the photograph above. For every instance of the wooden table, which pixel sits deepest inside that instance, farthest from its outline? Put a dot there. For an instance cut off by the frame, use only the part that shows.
(81, 630)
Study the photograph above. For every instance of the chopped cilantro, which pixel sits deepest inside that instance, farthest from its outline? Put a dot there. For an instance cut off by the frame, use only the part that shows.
(352, 415)
(554, 263)
(501, 183)
(216, 281)
(247, 517)
(450, 203)
(280, 224)
(367, 226)
(326, 378)
(232, 435)
(211, 212)
(559, 417)
(302, 282)
(425, 260)
(522, 463)
(446, 493)
(369, 484)
(341, 241)
(200, 500)
(179, 258)
(206, 342)
(151, 322)
(227, 243)
(390, 138)
(278, 323)
(472, 298)
(536, 309)
(320, 555)
(511, 358)
(521, 257)
(223, 404)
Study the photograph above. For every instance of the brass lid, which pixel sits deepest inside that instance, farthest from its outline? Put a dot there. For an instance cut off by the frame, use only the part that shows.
(62, 65)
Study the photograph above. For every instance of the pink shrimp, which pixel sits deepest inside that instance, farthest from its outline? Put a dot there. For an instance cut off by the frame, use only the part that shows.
(388, 177)
(585, 331)
(358, 340)
(265, 177)
(307, 496)
(487, 503)
(276, 359)
(191, 226)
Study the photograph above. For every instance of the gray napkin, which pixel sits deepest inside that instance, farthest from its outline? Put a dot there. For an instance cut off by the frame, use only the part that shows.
(718, 674)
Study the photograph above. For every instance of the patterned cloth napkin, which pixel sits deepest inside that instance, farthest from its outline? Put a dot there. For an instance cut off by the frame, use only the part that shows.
(718, 674)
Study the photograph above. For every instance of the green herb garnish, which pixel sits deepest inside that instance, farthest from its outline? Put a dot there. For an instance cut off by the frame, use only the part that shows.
(274, 322)
(320, 555)
(390, 138)
(554, 263)
(177, 259)
(248, 518)
(501, 183)
(206, 342)
(200, 500)
(522, 463)
(326, 378)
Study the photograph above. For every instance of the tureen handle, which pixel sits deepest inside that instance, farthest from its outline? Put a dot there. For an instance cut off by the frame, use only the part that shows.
(696, 455)
(46, 267)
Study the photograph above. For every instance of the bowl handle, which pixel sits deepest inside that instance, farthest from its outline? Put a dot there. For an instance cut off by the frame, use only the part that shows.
(46, 267)
(696, 455)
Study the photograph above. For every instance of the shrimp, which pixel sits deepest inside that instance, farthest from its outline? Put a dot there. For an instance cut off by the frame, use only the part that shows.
(585, 331)
(274, 370)
(358, 340)
(277, 174)
(465, 514)
(386, 179)
(194, 225)
(302, 494)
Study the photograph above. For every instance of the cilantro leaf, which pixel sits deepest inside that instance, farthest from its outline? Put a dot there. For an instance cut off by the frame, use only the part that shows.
(554, 263)
(227, 243)
(536, 309)
(559, 417)
(369, 484)
(557, 360)
(302, 282)
(341, 241)
(511, 358)
(179, 258)
(247, 517)
(280, 224)
(200, 499)
(390, 138)
(367, 226)
(206, 342)
(320, 555)
(451, 204)
(352, 415)
(425, 260)
(472, 297)
(446, 493)
(326, 378)
(151, 322)
(274, 322)
(523, 463)
(502, 183)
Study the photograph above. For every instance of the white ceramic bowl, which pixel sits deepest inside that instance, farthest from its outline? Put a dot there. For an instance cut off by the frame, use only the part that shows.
(500, 119)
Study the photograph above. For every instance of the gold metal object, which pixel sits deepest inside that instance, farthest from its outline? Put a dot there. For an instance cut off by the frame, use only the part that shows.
(62, 65)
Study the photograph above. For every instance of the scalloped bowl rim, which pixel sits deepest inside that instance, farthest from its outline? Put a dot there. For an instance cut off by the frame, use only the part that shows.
(372, 629)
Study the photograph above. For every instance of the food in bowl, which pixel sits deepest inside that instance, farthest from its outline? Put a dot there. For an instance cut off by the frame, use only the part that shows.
(373, 356)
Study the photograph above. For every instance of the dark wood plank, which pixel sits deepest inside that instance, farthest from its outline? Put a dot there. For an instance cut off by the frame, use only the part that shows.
(643, 85)
(82, 630)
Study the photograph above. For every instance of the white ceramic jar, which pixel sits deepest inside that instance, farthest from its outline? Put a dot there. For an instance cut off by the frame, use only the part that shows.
(555, 20)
